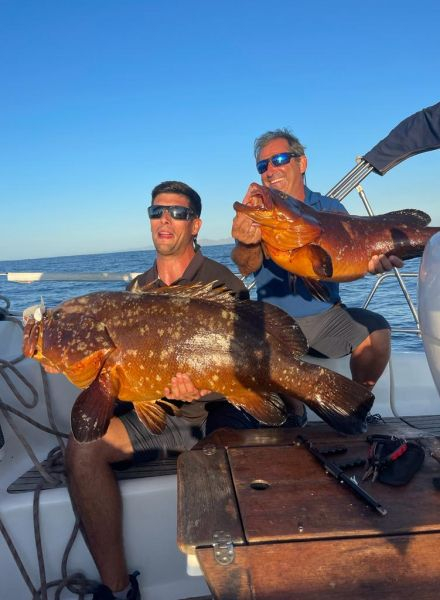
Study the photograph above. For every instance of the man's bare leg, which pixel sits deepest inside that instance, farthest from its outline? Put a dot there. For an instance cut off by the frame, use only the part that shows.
(96, 494)
(369, 359)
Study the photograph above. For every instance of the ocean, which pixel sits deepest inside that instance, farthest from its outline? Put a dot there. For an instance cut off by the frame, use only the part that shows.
(388, 300)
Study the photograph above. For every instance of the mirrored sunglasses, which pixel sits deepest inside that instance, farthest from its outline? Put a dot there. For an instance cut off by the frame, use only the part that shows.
(179, 213)
(277, 160)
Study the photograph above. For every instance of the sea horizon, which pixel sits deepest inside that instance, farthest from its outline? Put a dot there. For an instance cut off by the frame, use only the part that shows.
(202, 242)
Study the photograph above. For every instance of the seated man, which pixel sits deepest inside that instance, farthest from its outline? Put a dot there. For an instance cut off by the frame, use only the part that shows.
(332, 330)
(175, 222)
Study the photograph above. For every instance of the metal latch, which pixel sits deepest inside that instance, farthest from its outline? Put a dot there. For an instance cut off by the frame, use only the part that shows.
(223, 548)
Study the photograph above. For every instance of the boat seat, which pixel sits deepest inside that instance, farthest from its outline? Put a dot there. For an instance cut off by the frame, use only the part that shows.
(30, 480)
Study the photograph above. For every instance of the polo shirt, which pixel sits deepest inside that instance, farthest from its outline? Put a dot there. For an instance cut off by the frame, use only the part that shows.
(279, 287)
(200, 269)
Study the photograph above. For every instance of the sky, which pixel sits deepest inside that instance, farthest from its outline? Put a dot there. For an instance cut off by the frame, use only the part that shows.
(100, 100)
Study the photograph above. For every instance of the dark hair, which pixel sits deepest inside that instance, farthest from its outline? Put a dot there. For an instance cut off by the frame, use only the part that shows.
(294, 143)
(177, 187)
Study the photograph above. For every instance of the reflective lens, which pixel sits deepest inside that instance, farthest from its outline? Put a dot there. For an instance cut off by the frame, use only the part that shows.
(276, 160)
(180, 213)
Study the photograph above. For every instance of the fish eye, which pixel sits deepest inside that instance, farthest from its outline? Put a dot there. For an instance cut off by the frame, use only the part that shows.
(56, 315)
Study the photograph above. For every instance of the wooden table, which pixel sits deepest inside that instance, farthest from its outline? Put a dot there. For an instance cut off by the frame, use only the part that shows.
(266, 522)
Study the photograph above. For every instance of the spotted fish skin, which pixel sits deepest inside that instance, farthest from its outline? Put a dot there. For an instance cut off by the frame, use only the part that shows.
(129, 345)
(329, 246)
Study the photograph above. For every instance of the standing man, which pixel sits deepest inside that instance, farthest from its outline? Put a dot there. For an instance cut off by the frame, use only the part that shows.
(332, 330)
(175, 222)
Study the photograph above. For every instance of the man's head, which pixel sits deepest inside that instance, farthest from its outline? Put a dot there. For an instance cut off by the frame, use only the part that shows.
(174, 218)
(281, 162)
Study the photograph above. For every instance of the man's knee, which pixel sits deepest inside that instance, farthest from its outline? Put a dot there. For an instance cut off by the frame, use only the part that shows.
(381, 342)
(82, 456)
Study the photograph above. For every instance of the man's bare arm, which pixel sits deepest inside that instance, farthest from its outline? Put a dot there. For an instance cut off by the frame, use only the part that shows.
(247, 257)
(247, 254)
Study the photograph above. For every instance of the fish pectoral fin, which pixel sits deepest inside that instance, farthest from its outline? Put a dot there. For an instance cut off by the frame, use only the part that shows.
(320, 260)
(93, 409)
(152, 416)
(83, 372)
(169, 407)
(266, 407)
(317, 289)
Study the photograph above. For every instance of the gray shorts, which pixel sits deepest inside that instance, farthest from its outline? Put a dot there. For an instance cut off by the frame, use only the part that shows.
(178, 435)
(339, 330)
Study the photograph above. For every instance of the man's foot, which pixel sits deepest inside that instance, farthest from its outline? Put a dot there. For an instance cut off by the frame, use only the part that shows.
(102, 592)
(294, 420)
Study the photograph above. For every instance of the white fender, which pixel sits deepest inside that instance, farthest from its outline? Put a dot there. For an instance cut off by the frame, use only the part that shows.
(429, 305)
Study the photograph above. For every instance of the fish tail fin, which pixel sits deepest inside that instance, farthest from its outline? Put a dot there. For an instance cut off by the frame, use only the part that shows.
(339, 401)
(152, 416)
(267, 407)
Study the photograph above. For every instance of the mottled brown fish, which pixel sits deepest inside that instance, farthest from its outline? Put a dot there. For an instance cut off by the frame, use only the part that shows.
(328, 246)
(127, 346)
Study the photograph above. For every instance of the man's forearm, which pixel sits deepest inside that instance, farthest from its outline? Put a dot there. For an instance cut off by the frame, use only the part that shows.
(247, 257)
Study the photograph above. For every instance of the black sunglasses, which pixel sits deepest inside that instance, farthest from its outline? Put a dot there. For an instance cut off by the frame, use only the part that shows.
(276, 161)
(179, 213)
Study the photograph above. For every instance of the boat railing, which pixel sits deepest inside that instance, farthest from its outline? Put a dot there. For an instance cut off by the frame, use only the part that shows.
(381, 279)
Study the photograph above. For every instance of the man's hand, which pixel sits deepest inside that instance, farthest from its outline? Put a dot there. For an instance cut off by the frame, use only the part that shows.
(182, 388)
(245, 230)
(380, 263)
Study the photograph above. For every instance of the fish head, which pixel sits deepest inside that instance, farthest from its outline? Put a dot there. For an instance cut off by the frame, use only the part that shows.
(270, 207)
(69, 342)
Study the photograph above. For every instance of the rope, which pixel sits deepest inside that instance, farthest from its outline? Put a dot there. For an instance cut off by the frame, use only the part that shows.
(52, 472)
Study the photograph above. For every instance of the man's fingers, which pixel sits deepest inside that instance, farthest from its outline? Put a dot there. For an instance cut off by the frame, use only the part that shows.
(380, 263)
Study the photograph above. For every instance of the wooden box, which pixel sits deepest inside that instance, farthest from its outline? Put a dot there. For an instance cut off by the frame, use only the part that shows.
(266, 522)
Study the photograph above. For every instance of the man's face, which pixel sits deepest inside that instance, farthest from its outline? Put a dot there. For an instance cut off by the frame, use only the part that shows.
(286, 178)
(172, 237)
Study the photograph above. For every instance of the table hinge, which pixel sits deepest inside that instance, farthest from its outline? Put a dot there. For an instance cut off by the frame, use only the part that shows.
(223, 548)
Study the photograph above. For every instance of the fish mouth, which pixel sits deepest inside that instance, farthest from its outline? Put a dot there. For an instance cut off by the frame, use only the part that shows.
(258, 197)
(31, 336)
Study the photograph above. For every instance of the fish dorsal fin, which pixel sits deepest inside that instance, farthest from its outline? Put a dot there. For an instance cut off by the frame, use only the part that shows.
(410, 217)
(213, 291)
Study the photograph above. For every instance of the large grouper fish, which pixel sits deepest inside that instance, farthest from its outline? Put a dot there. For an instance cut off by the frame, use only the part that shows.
(127, 346)
(328, 246)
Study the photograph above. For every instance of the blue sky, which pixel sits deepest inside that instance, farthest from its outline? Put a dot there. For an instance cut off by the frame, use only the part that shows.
(102, 99)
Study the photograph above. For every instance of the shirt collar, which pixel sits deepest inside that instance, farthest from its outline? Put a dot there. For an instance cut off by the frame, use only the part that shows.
(187, 276)
(310, 197)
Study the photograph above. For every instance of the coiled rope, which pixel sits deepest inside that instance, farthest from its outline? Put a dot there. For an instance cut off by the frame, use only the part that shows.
(52, 473)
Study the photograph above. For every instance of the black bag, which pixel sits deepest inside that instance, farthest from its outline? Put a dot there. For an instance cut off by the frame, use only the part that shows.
(396, 460)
